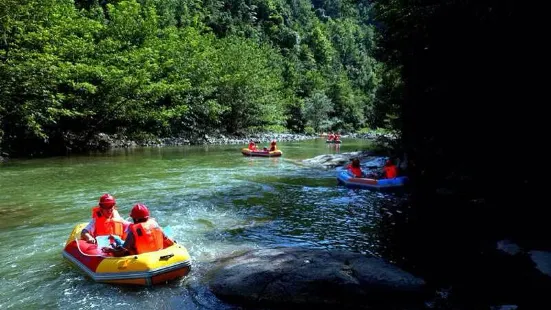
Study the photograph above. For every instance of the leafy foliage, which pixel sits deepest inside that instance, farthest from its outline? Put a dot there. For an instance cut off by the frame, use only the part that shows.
(316, 111)
(70, 70)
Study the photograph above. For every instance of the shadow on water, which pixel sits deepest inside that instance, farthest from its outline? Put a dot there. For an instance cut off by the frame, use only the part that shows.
(451, 243)
(312, 212)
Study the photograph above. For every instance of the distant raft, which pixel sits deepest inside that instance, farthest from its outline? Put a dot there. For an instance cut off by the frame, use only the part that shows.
(144, 269)
(261, 153)
(346, 178)
(333, 141)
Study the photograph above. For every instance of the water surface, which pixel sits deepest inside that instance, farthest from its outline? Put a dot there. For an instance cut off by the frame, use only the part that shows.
(215, 200)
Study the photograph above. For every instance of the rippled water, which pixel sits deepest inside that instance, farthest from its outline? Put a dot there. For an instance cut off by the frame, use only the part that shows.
(216, 201)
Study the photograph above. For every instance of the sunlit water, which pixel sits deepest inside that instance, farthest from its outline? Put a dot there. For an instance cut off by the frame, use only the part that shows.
(215, 200)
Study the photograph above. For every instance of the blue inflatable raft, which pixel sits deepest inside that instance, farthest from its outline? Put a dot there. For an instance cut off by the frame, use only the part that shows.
(346, 178)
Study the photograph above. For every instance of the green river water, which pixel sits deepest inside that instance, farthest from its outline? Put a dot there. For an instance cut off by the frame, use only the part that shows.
(215, 200)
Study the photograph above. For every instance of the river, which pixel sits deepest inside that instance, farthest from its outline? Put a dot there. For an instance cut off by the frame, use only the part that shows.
(215, 200)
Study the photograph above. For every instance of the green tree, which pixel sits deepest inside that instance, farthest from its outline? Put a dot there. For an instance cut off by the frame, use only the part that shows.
(316, 111)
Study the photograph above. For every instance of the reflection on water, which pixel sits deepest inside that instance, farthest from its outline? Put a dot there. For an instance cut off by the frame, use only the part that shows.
(215, 200)
(333, 148)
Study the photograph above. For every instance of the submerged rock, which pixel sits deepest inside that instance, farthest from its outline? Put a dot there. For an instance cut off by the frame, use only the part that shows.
(292, 278)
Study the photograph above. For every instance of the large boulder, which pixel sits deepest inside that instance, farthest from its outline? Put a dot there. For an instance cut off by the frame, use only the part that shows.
(335, 160)
(291, 278)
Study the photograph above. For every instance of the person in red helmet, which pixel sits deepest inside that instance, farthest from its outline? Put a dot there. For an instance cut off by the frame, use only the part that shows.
(252, 145)
(143, 236)
(106, 220)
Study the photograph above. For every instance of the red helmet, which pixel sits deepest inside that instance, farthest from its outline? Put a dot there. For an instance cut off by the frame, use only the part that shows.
(107, 201)
(273, 142)
(139, 211)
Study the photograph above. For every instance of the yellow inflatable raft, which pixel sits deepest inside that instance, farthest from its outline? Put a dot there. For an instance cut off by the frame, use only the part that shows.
(261, 153)
(144, 269)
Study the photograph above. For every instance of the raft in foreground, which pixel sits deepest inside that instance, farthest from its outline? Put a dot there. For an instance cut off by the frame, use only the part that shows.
(261, 153)
(144, 269)
(346, 178)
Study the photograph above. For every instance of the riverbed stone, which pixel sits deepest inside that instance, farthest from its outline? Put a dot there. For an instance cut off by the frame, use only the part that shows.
(292, 278)
(335, 160)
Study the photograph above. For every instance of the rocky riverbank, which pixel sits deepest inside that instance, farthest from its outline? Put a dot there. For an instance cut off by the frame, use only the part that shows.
(117, 141)
(103, 142)
(372, 135)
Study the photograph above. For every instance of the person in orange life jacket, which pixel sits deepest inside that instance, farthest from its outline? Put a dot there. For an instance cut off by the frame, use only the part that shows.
(144, 236)
(273, 146)
(390, 171)
(106, 220)
(355, 168)
(331, 136)
(252, 145)
(337, 137)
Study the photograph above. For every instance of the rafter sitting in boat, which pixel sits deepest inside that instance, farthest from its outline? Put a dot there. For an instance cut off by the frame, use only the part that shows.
(144, 236)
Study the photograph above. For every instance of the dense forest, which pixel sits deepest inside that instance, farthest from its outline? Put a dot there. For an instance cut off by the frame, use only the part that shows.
(159, 68)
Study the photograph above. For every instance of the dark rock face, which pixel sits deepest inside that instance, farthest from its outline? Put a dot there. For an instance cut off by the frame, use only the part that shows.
(293, 278)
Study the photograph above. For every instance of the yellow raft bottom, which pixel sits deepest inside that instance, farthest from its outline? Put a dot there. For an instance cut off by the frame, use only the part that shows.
(261, 153)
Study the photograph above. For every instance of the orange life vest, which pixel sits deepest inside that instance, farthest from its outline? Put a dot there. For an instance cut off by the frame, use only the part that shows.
(390, 172)
(252, 146)
(356, 171)
(105, 226)
(148, 236)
